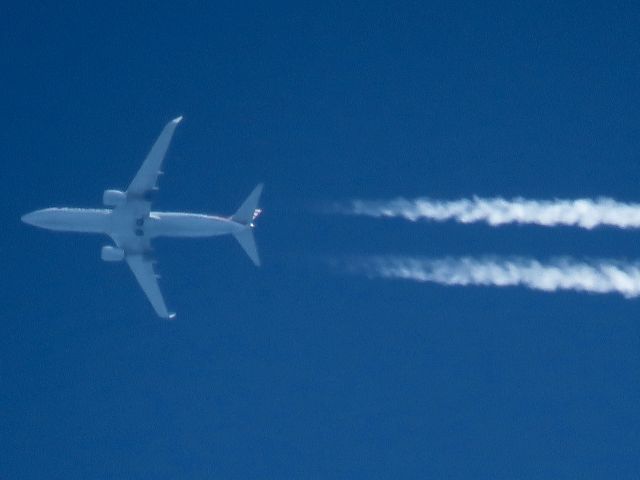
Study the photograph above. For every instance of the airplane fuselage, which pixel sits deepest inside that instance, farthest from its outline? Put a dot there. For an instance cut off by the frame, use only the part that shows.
(114, 222)
(132, 225)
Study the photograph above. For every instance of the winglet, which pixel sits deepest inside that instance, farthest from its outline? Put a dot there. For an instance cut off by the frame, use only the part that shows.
(177, 120)
(171, 316)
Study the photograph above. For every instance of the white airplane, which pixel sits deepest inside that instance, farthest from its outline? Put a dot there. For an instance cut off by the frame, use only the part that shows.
(131, 223)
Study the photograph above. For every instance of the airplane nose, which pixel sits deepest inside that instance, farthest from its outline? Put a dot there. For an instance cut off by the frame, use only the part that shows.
(35, 218)
(28, 218)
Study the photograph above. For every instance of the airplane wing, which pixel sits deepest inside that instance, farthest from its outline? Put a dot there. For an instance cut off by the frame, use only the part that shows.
(142, 268)
(146, 178)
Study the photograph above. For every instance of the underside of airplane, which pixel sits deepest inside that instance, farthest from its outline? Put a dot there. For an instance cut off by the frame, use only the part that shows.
(131, 223)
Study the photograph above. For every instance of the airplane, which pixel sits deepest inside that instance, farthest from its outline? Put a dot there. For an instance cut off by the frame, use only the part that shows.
(132, 224)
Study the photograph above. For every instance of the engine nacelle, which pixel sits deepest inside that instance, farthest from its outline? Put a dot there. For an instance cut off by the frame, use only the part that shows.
(113, 198)
(112, 254)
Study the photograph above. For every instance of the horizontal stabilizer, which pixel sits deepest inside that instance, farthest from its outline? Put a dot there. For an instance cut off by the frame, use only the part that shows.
(248, 244)
(245, 213)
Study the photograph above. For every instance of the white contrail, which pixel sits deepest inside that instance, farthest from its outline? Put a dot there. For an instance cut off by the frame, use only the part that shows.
(584, 213)
(599, 276)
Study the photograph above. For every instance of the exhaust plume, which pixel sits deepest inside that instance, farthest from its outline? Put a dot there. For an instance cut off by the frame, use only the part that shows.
(600, 276)
(583, 213)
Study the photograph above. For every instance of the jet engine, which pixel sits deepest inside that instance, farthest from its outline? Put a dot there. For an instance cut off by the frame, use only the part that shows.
(113, 198)
(112, 254)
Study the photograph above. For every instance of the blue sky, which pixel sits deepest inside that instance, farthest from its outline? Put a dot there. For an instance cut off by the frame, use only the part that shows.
(292, 371)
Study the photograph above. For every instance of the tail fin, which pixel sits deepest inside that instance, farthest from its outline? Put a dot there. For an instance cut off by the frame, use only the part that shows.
(245, 215)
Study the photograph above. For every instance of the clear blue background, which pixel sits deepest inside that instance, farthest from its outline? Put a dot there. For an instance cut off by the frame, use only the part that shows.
(290, 371)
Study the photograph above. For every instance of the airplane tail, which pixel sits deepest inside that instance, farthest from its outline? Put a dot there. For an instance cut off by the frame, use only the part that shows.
(245, 215)
(248, 244)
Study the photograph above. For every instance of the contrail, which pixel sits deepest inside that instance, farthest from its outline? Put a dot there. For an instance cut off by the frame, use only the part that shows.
(584, 212)
(599, 276)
